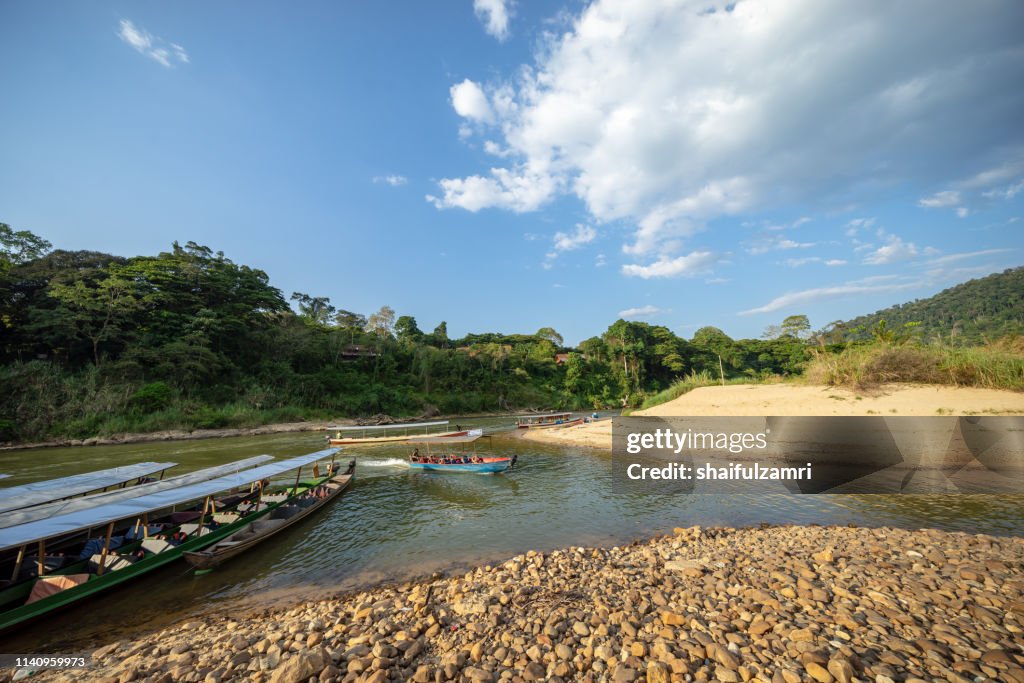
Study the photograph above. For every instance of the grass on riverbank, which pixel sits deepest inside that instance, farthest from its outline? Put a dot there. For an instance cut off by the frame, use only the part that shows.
(693, 381)
(864, 367)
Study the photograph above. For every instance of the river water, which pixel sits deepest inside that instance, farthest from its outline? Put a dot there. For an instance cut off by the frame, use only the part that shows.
(394, 523)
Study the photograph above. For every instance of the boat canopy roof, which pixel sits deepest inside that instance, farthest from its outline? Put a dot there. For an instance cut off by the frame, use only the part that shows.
(4, 476)
(42, 529)
(394, 426)
(62, 507)
(40, 492)
(469, 438)
(539, 417)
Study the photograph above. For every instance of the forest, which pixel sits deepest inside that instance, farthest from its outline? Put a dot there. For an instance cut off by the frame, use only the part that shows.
(94, 344)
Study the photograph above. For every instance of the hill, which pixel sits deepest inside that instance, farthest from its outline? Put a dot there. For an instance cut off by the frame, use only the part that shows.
(974, 312)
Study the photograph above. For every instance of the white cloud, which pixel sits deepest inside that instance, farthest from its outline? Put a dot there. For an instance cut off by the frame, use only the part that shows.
(857, 224)
(641, 312)
(894, 250)
(392, 180)
(962, 211)
(470, 102)
(1007, 193)
(584, 234)
(664, 118)
(776, 243)
(835, 262)
(940, 200)
(495, 16)
(694, 263)
(797, 262)
(600, 261)
(951, 258)
(153, 47)
(808, 296)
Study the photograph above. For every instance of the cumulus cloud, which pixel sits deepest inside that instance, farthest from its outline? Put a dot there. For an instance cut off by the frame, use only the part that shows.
(767, 244)
(665, 115)
(584, 234)
(495, 15)
(470, 102)
(392, 180)
(640, 312)
(152, 46)
(694, 263)
(835, 262)
(894, 250)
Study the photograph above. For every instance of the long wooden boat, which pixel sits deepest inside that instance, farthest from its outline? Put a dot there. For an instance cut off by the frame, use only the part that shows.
(549, 421)
(371, 434)
(441, 456)
(112, 567)
(291, 511)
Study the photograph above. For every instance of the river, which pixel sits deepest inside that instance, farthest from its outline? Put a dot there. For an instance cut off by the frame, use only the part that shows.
(394, 523)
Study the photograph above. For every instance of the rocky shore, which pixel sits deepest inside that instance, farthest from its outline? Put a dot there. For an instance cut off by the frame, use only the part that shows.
(780, 604)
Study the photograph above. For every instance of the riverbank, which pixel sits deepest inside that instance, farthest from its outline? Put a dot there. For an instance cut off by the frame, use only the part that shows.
(195, 434)
(776, 604)
(175, 435)
(797, 399)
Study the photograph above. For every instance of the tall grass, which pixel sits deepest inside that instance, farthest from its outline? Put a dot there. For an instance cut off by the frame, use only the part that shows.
(864, 367)
(688, 383)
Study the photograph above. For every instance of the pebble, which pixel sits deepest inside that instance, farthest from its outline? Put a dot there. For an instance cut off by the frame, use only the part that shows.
(779, 604)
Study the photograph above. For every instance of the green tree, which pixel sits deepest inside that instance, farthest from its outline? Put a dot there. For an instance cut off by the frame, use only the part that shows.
(407, 330)
(551, 335)
(17, 247)
(97, 312)
(316, 310)
(382, 322)
(796, 326)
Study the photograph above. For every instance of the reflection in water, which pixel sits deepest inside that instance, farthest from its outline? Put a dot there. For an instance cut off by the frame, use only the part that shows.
(395, 523)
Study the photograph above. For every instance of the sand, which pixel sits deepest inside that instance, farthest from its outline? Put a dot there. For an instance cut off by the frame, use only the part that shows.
(794, 399)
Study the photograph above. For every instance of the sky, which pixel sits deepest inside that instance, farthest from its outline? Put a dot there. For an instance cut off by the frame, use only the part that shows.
(508, 165)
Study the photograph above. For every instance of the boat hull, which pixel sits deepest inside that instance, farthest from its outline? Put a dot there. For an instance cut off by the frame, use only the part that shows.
(494, 466)
(554, 425)
(390, 439)
(224, 550)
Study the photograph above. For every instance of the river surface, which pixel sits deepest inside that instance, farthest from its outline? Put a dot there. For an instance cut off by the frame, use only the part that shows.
(394, 523)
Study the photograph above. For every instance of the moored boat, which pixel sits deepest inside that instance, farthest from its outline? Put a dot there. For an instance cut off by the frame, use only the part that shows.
(548, 421)
(102, 564)
(393, 433)
(292, 510)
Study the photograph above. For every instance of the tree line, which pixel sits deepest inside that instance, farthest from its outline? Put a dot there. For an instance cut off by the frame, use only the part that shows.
(97, 343)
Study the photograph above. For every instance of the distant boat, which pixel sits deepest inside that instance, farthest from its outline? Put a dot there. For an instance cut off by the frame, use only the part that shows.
(441, 456)
(292, 510)
(396, 433)
(548, 421)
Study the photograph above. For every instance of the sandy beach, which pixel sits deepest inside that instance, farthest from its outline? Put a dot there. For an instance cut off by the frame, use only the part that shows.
(793, 399)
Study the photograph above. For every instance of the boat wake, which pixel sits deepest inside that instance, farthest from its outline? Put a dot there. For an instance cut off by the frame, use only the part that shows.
(386, 462)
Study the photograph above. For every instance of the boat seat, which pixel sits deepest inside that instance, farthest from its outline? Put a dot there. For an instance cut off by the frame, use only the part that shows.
(190, 529)
(51, 585)
(113, 562)
(155, 546)
(225, 517)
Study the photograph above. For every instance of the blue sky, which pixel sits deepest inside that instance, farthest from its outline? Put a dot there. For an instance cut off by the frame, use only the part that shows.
(505, 165)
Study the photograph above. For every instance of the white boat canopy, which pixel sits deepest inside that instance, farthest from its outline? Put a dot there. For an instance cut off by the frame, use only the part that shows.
(42, 529)
(540, 417)
(469, 438)
(63, 507)
(40, 492)
(394, 426)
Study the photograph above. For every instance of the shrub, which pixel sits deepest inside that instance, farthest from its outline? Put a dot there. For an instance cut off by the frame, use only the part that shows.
(152, 397)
